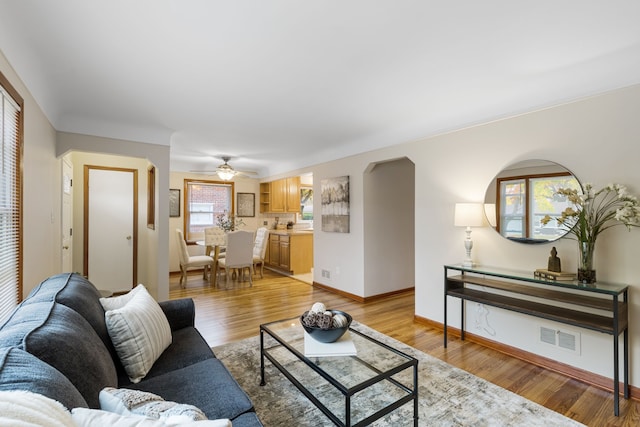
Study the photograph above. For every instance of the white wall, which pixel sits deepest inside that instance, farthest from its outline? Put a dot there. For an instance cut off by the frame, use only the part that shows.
(41, 190)
(595, 138)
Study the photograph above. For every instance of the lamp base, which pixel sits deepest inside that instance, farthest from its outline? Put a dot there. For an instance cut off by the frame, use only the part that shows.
(468, 263)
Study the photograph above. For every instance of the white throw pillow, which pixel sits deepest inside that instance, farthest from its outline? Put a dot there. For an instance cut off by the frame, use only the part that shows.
(140, 332)
(24, 408)
(112, 303)
(84, 417)
(127, 402)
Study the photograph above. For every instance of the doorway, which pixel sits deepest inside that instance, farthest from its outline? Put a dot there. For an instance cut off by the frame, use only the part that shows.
(110, 227)
(389, 226)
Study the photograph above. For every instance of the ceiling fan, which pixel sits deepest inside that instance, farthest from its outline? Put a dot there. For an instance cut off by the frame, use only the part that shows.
(226, 172)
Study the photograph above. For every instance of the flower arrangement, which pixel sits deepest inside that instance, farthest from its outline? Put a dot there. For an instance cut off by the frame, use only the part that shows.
(228, 222)
(592, 213)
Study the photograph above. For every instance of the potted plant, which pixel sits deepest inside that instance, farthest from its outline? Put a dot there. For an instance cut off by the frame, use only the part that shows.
(592, 213)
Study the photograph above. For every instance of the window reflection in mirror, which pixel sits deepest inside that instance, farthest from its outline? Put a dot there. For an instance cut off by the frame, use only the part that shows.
(522, 194)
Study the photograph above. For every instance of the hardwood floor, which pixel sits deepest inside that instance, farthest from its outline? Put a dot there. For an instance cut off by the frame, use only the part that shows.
(224, 316)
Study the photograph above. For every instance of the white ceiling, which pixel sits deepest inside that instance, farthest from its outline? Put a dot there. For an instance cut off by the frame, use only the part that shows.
(283, 84)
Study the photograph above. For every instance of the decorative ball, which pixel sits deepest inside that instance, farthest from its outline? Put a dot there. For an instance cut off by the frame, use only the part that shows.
(340, 320)
(318, 308)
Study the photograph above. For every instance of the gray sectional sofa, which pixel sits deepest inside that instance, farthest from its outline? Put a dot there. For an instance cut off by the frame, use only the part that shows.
(56, 344)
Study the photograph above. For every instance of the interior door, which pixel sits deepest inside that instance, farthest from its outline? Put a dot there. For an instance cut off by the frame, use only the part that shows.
(110, 231)
(67, 216)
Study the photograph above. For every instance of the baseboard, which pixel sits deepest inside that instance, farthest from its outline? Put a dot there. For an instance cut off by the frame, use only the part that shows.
(358, 298)
(578, 374)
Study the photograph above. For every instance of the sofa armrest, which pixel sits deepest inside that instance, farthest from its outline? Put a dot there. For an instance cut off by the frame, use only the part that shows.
(180, 313)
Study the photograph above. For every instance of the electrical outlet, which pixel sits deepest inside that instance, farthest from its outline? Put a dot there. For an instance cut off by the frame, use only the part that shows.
(265, 222)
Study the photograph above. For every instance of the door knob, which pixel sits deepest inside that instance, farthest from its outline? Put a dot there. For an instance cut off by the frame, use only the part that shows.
(65, 247)
(128, 237)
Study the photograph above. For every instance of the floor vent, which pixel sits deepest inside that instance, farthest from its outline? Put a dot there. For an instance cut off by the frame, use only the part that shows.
(566, 340)
(547, 335)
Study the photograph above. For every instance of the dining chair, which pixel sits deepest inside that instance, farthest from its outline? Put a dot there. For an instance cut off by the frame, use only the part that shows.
(214, 236)
(239, 255)
(260, 249)
(191, 261)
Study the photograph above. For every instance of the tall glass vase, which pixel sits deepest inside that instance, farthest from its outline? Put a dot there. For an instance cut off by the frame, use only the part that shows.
(586, 270)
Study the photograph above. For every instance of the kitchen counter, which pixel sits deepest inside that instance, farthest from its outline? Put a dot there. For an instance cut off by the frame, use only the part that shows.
(291, 232)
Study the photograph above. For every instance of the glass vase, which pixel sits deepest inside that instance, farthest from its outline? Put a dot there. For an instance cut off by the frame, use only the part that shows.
(586, 270)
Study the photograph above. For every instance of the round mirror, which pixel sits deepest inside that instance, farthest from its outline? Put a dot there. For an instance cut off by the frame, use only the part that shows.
(524, 193)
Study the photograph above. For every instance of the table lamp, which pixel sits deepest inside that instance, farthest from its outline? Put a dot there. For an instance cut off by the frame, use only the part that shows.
(469, 215)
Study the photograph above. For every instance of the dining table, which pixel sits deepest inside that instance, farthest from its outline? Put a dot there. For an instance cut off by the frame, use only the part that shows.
(216, 250)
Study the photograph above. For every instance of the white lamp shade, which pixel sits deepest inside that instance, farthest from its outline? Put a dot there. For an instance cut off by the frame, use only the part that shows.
(469, 215)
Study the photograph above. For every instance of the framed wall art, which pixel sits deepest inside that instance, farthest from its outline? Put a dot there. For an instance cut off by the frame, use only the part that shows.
(174, 203)
(335, 204)
(246, 204)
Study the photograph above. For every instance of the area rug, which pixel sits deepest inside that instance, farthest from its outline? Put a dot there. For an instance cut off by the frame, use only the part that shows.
(448, 396)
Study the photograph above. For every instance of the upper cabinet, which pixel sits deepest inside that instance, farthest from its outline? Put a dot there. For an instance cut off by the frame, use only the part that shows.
(293, 194)
(280, 196)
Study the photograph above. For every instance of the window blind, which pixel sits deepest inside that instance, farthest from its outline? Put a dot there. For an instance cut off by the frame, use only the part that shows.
(10, 203)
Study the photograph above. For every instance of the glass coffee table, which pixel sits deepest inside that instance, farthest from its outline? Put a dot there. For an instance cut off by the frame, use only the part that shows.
(351, 390)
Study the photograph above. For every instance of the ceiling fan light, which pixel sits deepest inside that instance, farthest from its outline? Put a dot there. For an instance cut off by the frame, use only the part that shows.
(226, 175)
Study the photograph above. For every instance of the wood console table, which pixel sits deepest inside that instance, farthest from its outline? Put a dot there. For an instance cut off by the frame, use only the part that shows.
(515, 288)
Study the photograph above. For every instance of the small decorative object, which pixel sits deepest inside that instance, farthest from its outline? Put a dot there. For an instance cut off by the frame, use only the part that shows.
(543, 274)
(554, 261)
(324, 325)
(290, 225)
(592, 213)
(228, 222)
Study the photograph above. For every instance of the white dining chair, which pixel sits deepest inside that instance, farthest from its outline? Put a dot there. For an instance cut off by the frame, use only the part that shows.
(238, 256)
(260, 249)
(191, 261)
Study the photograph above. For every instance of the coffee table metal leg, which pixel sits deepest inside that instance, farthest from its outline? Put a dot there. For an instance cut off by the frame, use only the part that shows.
(262, 382)
(415, 396)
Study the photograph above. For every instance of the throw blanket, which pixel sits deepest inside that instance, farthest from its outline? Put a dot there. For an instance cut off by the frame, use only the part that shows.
(25, 409)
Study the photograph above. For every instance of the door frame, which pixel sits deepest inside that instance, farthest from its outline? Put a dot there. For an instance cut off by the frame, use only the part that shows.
(66, 217)
(87, 168)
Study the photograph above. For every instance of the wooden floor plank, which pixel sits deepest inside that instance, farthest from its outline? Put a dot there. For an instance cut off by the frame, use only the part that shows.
(224, 316)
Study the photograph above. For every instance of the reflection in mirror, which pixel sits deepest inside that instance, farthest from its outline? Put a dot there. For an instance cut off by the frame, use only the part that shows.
(522, 194)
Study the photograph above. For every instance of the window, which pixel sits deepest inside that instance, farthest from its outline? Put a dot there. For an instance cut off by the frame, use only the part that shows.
(202, 202)
(306, 204)
(11, 105)
(525, 200)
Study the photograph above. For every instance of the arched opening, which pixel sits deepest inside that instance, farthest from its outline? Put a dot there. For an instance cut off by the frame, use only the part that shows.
(389, 226)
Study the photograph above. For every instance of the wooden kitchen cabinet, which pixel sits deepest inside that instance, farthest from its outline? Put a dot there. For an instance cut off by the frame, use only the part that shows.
(280, 196)
(290, 252)
(293, 194)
